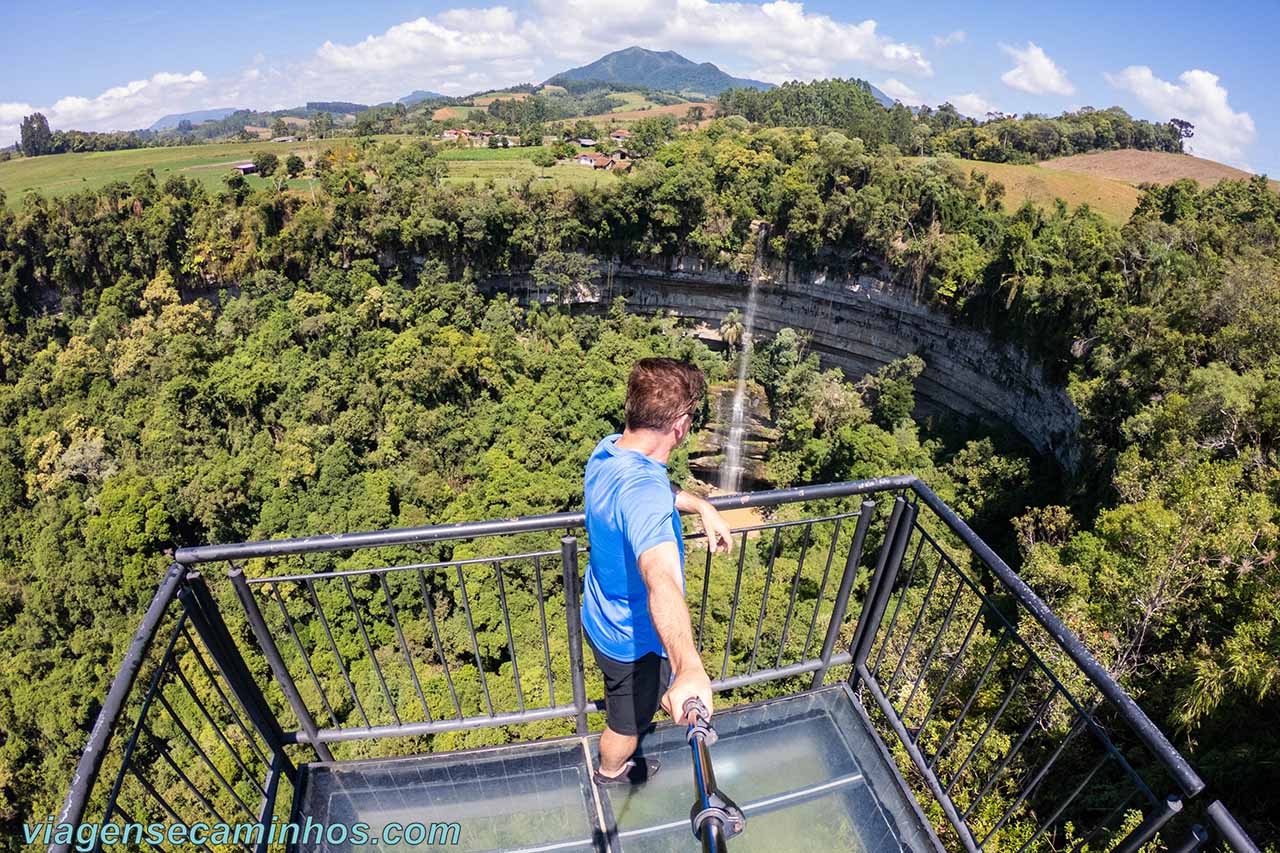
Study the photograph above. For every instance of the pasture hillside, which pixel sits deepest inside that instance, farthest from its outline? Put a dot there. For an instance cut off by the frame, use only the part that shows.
(1149, 167)
(1113, 199)
(62, 174)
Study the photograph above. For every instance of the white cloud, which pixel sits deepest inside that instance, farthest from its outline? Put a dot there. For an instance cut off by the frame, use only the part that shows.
(459, 51)
(473, 35)
(1221, 133)
(1035, 72)
(900, 91)
(953, 37)
(785, 40)
(133, 105)
(973, 105)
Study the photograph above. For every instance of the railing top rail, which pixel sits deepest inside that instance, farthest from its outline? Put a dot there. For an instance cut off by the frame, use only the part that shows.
(495, 527)
(1147, 731)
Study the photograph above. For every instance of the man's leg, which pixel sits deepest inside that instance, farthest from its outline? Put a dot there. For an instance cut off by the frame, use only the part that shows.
(615, 749)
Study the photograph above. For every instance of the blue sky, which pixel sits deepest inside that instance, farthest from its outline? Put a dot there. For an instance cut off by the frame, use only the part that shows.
(126, 65)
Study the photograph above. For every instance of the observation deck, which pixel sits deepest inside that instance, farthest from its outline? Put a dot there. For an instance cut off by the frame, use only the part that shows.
(885, 683)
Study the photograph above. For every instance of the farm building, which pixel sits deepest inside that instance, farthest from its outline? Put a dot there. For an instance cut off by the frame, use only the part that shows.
(586, 143)
(620, 136)
(245, 168)
(593, 159)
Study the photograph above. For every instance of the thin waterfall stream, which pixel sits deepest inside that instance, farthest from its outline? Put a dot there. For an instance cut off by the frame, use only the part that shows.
(731, 467)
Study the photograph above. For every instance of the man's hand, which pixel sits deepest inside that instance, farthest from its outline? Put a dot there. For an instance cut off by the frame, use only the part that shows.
(693, 683)
(719, 536)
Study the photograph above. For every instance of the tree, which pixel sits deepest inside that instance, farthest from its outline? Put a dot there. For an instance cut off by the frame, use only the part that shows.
(696, 114)
(731, 328)
(321, 125)
(562, 272)
(1185, 128)
(265, 163)
(294, 165)
(279, 127)
(36, 138)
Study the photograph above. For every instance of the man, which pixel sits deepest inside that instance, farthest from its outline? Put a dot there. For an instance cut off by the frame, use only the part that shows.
(633, 611)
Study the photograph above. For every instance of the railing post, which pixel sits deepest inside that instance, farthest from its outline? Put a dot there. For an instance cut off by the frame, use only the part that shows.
(1146, 830)
(896, 537)
(278, 668)
(208, 622)
(842, 594)
(95, 747)
(573, 618)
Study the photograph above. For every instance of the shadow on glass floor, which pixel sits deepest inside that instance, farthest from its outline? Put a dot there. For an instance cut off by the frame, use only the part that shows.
(806, 769)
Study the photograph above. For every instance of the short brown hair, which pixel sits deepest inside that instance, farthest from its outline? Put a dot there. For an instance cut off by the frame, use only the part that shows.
(661, 390)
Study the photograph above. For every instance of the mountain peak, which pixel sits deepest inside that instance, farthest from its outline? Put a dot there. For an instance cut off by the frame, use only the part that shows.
(659, 69)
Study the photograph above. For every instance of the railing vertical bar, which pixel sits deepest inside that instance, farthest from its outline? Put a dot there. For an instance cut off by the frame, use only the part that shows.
(213, 631)
(281, 672)
(1106, 820)
(173, 765)
(269, 801)
(475, 645)
(1145, 831)
(702, 611)
(897, 608)
(200, 751)
(368, 647)
(1071, 798)
(573, 621)
(333, 647)
(915, 627)
(90, 763)
(148, 697)
(297, 641)
(955, 665)
(506, 621)
(542, 619)
(822, 588)
(129, 819)
(841, 604)
(435, 636)
(880, 586)
(973, 695)
(1037, 778)
(795, 586)
(164, 804)
(933, 649)
(1014, 750)
(733, 610)
(217, 730)
(213, 679)
(404, 647)
(991, 724)
(764, 598)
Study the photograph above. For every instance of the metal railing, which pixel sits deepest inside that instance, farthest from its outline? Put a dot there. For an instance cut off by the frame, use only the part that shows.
(1003, 723)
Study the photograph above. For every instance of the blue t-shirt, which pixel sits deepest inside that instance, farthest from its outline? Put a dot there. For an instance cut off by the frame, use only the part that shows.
(630, 507)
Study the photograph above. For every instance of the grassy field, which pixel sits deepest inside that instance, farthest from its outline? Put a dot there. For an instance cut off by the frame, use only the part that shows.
(490, 153)
(1156, 167)
(63, 174)
(508, 172)
(1114, 200)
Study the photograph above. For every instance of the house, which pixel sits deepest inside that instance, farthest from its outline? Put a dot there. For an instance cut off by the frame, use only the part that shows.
(453, 135)
(245, 168)
(593, 159)
(616, 165)
(620, 136)
(285, 139)
(586, 143)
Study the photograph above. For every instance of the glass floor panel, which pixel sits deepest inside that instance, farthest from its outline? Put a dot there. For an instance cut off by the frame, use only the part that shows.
(807, 770)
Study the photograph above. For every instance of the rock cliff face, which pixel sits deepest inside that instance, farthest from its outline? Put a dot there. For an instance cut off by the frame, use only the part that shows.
(857, 324)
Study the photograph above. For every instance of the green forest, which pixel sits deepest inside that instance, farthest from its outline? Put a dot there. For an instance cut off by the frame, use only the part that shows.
(180, 366)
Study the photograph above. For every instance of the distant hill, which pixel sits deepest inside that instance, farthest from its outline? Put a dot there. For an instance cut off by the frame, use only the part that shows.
(418, 96)
(172, 120)
(338, 107)
(885, 100)
(664, 69)
(1155, 167)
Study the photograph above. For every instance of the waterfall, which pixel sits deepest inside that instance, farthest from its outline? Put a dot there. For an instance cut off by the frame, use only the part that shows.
(731, 466)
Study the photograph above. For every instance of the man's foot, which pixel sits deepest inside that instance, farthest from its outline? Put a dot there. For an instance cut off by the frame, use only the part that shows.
(635, 771)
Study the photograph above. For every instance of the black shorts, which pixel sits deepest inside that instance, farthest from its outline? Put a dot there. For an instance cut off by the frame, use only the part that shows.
(632, 690)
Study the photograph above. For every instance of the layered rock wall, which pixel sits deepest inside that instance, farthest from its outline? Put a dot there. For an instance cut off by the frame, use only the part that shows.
(858, 324)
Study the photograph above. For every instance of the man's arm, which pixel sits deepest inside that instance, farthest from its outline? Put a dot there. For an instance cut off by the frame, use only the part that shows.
(719, 537)
(660, 568)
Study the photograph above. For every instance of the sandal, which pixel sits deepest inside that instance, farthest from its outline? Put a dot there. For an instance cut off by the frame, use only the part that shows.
(636, 771)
